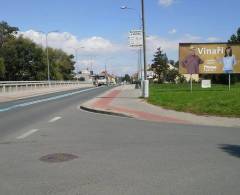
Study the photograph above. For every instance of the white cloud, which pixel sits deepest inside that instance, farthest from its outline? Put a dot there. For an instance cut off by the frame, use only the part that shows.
(98, 44)
(172, 31)
(153, 42)
(213, 39)
(166, 3)
(169, 44)
(91, 50)
(68, 42)
(98, 51)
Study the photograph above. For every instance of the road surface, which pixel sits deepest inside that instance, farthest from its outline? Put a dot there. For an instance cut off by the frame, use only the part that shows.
(110, 155)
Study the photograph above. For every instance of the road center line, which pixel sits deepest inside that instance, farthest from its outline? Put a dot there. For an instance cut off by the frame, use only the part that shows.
(27, 134)
(55, 119)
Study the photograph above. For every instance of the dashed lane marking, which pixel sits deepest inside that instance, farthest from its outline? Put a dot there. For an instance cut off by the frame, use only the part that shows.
(27, 133)
(55, 119)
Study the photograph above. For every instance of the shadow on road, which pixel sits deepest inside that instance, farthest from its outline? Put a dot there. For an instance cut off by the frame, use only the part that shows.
(233, 150)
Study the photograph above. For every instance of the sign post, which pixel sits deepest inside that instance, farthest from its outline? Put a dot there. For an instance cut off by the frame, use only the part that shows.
(229, 81)
(191, 82)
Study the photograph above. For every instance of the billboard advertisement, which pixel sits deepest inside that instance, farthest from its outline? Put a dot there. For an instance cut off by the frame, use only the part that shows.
(209, 58)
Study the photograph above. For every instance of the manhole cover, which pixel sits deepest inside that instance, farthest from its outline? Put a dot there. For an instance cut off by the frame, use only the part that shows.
(58, 157)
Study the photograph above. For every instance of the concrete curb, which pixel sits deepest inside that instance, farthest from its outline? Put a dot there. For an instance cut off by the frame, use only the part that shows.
(86, 106)
(89, 109)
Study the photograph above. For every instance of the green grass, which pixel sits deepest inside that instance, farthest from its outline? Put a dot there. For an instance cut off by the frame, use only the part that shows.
(215, 101)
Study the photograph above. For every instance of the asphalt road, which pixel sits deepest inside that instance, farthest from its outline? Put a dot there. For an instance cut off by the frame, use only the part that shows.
(113, 155)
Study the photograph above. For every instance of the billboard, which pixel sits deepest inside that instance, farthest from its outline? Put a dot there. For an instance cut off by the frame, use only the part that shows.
(209, 58)
(135, 38)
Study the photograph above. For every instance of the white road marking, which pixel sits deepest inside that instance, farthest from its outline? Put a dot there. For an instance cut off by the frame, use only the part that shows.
(45, 100)
(55, 119)
(28, 133)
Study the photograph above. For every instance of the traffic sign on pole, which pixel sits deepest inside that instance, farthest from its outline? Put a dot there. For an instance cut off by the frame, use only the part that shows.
(135, 38)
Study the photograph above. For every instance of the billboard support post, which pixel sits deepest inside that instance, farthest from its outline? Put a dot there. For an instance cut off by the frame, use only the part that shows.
(229, 81)
(191, 83)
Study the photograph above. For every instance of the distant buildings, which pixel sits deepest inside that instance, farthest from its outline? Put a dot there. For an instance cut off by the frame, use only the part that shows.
(84, 75)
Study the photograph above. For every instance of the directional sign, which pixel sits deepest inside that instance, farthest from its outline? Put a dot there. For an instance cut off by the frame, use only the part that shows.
(135, 38)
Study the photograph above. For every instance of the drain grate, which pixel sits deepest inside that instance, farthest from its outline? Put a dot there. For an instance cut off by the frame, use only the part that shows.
(58, 157)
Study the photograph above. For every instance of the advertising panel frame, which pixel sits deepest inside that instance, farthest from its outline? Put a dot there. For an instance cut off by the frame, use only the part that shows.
(206, 43)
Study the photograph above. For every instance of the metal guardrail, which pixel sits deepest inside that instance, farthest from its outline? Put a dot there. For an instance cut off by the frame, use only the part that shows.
(14, 86)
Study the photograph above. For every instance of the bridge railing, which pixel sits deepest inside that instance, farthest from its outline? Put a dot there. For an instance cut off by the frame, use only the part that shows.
(14, 86)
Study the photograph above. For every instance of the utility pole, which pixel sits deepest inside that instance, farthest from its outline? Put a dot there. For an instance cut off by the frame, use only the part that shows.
(145, 82)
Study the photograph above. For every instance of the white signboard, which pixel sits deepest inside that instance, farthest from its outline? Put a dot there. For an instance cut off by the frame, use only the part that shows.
(206, 84)
(150, 74)
(135, 38)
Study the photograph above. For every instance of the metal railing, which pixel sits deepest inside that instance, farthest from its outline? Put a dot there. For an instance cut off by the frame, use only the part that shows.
(14, 86)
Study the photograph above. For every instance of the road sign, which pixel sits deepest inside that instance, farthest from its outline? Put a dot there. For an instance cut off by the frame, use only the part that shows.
(135, 38)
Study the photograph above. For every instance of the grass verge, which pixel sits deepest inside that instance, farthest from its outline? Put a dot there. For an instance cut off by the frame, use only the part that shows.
(215, 101)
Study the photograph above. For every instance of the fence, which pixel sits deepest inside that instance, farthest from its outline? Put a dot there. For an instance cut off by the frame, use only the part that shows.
(14, 86)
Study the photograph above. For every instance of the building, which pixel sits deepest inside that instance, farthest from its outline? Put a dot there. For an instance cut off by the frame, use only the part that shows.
(84, 75)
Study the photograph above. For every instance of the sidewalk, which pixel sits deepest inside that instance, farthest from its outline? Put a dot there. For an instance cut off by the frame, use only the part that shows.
(10, 96)
(124, 101)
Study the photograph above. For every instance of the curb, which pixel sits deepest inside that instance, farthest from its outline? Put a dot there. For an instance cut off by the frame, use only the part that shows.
(104, 112)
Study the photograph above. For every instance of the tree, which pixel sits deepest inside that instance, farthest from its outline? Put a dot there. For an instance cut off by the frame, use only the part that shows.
(160, 65)
(172, 75)
(2, 68)
(235, 38)
(127, 78)
(61, 65)
(6, 32)
(23, 60)
(171, 62)
(176, 64)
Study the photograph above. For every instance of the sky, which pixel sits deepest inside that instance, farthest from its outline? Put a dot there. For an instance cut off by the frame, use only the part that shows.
(96, 31)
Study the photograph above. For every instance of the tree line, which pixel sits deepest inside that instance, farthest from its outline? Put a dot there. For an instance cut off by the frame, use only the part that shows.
(22, 59)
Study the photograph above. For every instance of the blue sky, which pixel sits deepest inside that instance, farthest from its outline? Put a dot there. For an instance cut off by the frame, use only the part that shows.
(167, 23)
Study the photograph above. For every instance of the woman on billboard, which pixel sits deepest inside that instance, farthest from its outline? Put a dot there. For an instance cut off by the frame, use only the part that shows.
(228, 61)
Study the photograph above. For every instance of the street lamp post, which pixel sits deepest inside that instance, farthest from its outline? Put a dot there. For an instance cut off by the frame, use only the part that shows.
(139, 49)
(48, 63)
